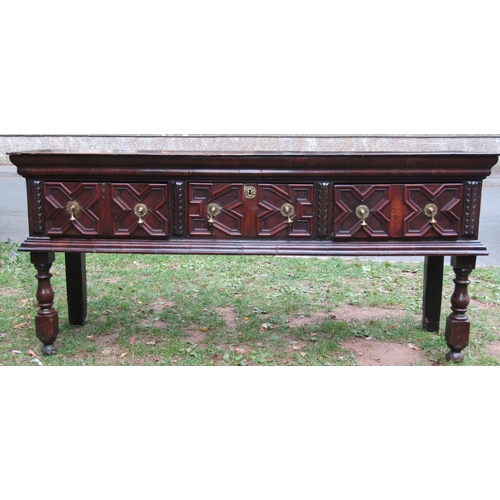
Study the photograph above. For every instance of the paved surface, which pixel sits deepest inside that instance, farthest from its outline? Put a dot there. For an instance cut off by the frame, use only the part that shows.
(14, 219)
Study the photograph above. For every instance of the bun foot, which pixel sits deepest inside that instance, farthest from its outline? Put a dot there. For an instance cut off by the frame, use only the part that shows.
(49, 349)
(455, 356)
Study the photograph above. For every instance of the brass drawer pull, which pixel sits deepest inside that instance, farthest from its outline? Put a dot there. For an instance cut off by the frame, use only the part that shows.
(140, 210)
(362, 212)
(213, 210)
(287, 211)
(431, 210)
(73, 208)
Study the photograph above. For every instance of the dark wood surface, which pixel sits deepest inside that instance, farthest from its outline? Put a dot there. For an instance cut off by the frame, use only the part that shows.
(284, 203)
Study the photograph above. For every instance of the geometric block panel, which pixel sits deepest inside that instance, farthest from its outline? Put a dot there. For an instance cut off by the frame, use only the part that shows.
(270, 220)
(124, 199)
(446, 222)
(58, 194)
(228, 196)
(348, 198)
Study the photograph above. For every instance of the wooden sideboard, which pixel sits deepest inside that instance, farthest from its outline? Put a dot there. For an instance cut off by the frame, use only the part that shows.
(286, 203)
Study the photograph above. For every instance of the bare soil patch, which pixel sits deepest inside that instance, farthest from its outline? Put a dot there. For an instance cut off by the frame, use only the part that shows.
(358, 313)
(228, 316)
(371, 352)
(196, 335)
(106, 340)
(160, 305)
(493, 349)
(154, 323)
(347, 313)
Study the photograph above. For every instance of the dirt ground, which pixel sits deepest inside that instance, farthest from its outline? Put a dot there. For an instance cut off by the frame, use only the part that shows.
(372, 352)
(368, 352)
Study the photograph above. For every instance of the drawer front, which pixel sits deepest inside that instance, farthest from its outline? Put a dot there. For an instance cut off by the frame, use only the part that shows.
(107, 209)
(397, 210)
(73, 208)
(423, 200)
(226, 210)
(363, 211)
(139, 209)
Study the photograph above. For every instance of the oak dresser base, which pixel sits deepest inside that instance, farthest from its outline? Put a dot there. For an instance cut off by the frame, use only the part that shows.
(248, 203)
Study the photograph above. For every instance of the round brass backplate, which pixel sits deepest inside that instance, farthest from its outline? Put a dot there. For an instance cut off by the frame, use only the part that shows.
(73, 208)
(430, 210)
(362, 212)
(140, 210)
(213, 209)
(287, 210)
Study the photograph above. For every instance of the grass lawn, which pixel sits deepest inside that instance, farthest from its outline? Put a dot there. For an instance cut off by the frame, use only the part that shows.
(241, 310)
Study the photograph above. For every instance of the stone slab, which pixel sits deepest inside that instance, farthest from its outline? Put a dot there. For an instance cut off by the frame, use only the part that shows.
(417, 144)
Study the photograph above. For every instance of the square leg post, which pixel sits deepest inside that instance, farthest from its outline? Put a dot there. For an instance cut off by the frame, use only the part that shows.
(76, 288)
(432, 293)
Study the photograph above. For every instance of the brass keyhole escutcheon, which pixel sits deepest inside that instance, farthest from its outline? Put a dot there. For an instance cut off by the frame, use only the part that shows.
(213, 210)
(250, 192)
(287, 211)
(362, 212)
(140, 210)
(73, 208)
(431, 210)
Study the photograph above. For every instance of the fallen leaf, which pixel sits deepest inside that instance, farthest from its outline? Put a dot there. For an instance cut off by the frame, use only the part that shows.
(31, 353)
(20, 325)
(203, 328)
(412, 346)
(151, 342)
(123, 354)
(133, 340)
(106, 352)
(90, 337)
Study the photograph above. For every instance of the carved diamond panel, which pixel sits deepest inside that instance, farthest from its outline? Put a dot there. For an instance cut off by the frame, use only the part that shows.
(86, 194)
(348, 198)
(270, 220)
(229, 197)
(448, 200)
(124, 199)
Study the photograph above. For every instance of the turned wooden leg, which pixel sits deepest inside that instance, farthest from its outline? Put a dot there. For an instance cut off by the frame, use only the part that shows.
(46, 320)
(457, 323)
(76, 288)
(432, 294)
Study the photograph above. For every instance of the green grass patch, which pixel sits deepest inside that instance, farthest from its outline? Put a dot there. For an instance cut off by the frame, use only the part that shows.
(236, 310)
